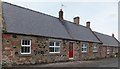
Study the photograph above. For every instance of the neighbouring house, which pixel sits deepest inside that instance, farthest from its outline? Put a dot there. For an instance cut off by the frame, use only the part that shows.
(110, 45)
(30, 37)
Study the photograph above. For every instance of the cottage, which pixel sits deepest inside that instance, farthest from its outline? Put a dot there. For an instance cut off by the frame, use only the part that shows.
(31, 37)
(110, 45)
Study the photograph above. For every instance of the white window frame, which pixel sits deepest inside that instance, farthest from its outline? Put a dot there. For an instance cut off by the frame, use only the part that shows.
(84, 47)
(95, 48)
(25, 46)
(54, 46)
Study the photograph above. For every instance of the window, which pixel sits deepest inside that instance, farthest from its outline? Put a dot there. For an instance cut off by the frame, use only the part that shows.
(95, 49)
(25, 46)
(54, 47)
(84, 47)
(108, 50)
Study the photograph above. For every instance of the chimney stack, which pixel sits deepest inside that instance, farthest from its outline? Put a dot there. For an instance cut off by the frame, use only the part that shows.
(76, 20)
(61, 14)
(88, 24)
(112, 35)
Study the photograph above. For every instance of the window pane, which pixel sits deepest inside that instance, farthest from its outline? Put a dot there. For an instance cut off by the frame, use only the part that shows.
(51, 49)
(28, 49)
(23, 42)
(84, 45)
(70, 47)
(85, 49)
(94, 47)
(82, 49)
(57, 44)
(28, 42)
(57, 49)
(22, 49)
(51, 43)
(25, 49)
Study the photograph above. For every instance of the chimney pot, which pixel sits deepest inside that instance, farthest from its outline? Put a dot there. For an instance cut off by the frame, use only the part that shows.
(61, 14)
(112, 35)
(76, 20)
(88, 24)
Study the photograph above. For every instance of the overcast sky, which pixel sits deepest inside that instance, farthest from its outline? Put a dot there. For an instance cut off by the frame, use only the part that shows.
(103, 14)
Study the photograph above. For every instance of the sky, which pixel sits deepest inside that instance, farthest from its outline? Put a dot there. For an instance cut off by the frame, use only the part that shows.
(103, 14)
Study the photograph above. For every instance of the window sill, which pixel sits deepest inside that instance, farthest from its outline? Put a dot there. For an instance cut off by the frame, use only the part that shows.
(25, 55)
(84, 51)
(95, 52)
(54, 52)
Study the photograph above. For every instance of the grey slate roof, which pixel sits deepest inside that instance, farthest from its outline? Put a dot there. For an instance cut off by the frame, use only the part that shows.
(107, 40)
(80, 32)
(21, 20)
(26, 21)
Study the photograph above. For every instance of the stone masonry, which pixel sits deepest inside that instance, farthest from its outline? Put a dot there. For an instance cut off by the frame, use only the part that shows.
(90, 54)
(40, 50)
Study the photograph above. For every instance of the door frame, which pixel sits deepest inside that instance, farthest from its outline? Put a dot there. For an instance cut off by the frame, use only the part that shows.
(73, 50)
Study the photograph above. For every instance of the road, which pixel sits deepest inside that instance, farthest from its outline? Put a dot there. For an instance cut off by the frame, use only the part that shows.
(108, 62)
(0, 66)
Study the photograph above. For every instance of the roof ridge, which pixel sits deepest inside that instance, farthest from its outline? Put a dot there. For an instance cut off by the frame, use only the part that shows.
(75, 24)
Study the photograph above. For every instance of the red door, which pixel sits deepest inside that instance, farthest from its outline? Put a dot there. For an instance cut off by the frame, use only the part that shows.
(70, 50)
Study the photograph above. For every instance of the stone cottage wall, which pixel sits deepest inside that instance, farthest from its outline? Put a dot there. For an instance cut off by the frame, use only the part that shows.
(78, 55)
(115, 50)
(97, 54)
(40, 50)
(104, 51)
(90, 54)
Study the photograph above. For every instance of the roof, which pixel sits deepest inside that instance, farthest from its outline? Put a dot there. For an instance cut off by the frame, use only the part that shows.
(80, 32)
(21, 20)
(107, 40)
